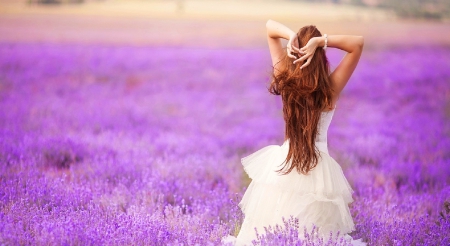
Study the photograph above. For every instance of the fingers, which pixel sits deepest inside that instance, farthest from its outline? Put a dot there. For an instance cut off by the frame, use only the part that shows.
(304, 57)
(291, 50)
(306, 63)
(291, 55)
(298, 50)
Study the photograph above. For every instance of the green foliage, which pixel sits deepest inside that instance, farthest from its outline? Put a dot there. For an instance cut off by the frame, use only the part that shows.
(422, 9)
(418, 9)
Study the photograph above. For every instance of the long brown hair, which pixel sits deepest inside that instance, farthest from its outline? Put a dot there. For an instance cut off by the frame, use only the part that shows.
(305, 94)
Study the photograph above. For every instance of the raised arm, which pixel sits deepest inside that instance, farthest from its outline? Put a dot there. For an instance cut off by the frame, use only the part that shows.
(275, 32)
(353, 45)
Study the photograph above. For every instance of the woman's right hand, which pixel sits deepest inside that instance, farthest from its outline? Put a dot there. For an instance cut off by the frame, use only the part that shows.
(290, 48)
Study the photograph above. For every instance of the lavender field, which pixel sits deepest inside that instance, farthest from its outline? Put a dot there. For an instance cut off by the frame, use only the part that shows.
(123, 145)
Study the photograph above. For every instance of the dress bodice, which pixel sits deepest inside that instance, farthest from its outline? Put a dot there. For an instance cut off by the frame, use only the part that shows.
(324, 123)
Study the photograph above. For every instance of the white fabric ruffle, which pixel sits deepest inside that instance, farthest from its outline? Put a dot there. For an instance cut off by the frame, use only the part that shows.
(319, 198)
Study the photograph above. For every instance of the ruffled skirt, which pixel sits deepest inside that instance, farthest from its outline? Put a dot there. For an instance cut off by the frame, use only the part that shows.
(319, 198)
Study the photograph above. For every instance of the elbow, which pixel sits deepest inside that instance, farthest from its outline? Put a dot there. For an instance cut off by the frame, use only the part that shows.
(269, 27)
(361, 42)
(357, 45)
(268, 23)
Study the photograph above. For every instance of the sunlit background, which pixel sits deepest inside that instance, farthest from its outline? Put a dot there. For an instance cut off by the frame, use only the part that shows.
(219, 23)
(124, 122)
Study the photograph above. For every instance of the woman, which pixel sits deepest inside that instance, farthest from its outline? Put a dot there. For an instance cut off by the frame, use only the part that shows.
(299, 178)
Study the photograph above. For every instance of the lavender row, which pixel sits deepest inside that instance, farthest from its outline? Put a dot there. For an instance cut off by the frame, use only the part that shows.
(142, 145)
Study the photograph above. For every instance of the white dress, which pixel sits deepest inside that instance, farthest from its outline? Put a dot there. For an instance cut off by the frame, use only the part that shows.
(319, 198)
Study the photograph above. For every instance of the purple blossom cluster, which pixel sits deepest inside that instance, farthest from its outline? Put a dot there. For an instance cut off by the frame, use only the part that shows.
(141, 145)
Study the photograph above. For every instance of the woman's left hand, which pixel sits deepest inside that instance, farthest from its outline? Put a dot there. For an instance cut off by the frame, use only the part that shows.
(308, 52)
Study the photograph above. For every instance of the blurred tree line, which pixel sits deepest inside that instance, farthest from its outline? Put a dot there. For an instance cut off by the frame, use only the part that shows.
(423, 9)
